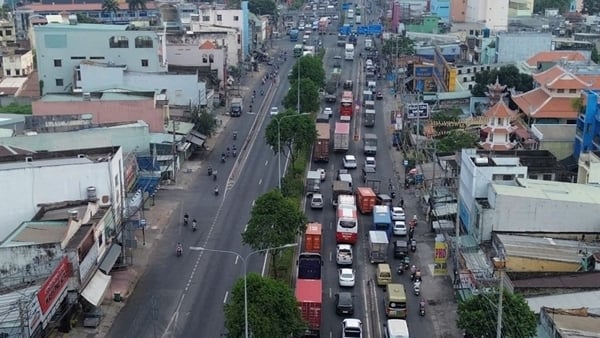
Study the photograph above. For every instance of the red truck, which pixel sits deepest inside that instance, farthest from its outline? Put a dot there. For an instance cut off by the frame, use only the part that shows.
(365, 199)
(321, 147)
(312, 237)
(309, 297)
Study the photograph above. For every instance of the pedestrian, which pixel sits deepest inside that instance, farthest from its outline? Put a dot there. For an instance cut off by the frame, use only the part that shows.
(401, 202)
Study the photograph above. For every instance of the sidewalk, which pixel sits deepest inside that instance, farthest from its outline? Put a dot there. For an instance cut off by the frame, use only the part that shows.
(158, 214)
(437, 290)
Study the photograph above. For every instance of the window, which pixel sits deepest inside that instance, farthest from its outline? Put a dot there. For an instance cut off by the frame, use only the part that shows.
(77, 57)
(144, 62)
(118, 42)
(8, 32)
(211, 58)
(236, 18)
(1, 33)
(57, 63)
(205, 18)
(219, 17)
(204, 58)
(572, 91)
(547, 177)
(100, 239)
(17, 72)
(143, 42)
(96, 57)
(560, 90)
(59, 82)
(8, 72)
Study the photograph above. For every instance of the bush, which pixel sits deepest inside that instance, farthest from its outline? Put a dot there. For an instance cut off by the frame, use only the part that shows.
(15, 108)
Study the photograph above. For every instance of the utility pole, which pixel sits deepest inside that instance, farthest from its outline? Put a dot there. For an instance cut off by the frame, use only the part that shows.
(174, 152)
(501, 296)
(22, 318)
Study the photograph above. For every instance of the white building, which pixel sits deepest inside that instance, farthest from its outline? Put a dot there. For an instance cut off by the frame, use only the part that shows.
(227, 37)
(589, 168)
(493, 13)
(60, 48)
(17, 63)
(49, 177)
(197, 54)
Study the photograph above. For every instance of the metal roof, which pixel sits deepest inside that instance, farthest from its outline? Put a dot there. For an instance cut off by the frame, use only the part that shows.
(9, 305)
(550, 190)
(589, 299)
(544, 248)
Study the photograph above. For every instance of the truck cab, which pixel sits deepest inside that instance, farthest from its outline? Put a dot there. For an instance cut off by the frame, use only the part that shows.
(370, 144)
(352, 328)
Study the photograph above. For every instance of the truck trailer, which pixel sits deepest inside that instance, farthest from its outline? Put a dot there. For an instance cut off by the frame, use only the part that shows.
(309, 295)
(378, 246)
(321, 147)
(341, 137)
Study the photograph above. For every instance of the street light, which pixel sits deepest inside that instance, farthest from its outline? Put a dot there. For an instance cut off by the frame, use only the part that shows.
(244, 260)
(278, 120)
(298, 92)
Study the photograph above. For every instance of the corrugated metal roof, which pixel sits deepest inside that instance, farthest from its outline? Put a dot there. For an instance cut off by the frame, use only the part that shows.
(9, 305)
(550, 190)
(589, 299)
(543, 248)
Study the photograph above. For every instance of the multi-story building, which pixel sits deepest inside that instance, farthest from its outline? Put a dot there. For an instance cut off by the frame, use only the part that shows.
(520, 8)
(587, 133)
(493, 13)
(17, 62)
(7, 33)
(509, 45)
(226, 37)
(589, 168)
(206, 57)
(61, 48)
(441, 8)
(498, 128)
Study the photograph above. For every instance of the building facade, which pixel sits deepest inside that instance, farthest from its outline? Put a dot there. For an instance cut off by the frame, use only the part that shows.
(60, 48)
(493, 13)
(589, 168)
(441, 8)
(192, 53)
(17, 63)
(509, 45)
(587, 133)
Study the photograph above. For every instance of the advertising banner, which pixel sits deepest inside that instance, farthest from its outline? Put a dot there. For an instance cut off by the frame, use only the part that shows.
(54, 285)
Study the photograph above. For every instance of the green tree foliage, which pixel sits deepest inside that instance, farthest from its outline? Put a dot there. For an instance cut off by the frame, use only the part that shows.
(398, 46)
(455, 140)
(478, 316)
(272, 309)
(591, 7)
(263, 7)
(309, 96)
(540, 5)
(15, 108)
(507, 75)
(595, 55)
(297, 132)
(82, 18)
(205, 122)
(274, 221)
(311, 67)
(110, 6)
(136, 4)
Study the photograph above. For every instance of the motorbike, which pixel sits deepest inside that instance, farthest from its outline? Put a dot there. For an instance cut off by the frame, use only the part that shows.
(216, 191)
(194, 225)
(400, 269)
(422, 309)
(413, 245)
(210, 171)
(417, 288)
(234, 153)
(185, 219)
(179, 250)
(235, 135)
(223, 158)
(214, 175)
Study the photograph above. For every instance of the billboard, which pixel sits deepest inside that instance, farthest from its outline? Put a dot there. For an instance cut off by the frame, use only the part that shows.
(443, 71)
(54, 285)
(423, 71)
(417, 111)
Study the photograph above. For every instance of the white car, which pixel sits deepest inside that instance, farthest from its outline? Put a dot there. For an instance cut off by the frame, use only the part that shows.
(322, 173)
(274, 111)
(328, 111)
(349, 162)
(398, 214)
(370, 162)
(346, 277)
(316, 201)
(399, 228)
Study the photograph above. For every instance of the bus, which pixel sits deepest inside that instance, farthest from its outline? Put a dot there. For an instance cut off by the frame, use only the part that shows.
(346, 106)
(298, 50)
(347, 224)
(349, 52)
(382, 219)
(395, 301)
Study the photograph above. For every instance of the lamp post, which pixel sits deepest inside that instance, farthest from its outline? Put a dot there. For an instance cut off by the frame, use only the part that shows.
(278, 120)
(298, 90)
(244, 261)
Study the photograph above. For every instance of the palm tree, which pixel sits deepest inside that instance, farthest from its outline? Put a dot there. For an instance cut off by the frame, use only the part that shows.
(110, 6)
(136, 4)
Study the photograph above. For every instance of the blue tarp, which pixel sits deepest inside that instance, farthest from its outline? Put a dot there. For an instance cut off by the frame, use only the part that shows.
(148, 163)
(147, 184)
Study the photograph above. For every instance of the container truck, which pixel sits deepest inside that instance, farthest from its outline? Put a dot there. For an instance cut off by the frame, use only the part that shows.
(323, 23)
(370, 144)
(321, 148)
(378, 246)
(369, 117)
(339, 188)
(312, 237)
(309, 295)
(236, 106)
(365, 199)
(341, 137)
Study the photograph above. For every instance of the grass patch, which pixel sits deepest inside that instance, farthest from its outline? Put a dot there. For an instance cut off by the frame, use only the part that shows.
(15, 108)
(283, 264)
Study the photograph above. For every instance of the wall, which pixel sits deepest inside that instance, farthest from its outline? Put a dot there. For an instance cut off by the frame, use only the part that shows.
(18, 65)
(458, 10)
(509, 46)
(107, 111)
(27, 262)
(524, 264)
(62, 42)
(441, 8)
(56, 183)
(493, 13)
(189, 55)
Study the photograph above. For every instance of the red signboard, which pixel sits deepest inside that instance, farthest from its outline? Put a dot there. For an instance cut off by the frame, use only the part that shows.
(54, 285)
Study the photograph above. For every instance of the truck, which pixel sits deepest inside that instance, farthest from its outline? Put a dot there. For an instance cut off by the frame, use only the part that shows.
(369, 117)
(309, 265)
(321, 147)
(294, 34)
(370, 104)
(370, 144)
(236, 106)
(368, 44)
(312, 237)
(341, 40)
(396, 328)
(378, 246)
(339, 188)
(309, 295)
(323, 24)
(357, 19)
(365, 199)
(330, 91)
(341, 136)
(343, 254)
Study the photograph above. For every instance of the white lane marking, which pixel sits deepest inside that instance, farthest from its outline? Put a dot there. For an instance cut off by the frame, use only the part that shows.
(225, 298)
(260, 181)
(264, 268)
(330, 293)
(331, 256)
(365, 290)
(266, 162)
(253, 201)
(246, 227)
(236, 259)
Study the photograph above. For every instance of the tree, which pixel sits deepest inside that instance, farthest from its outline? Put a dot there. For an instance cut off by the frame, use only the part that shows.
(110, 6)
(455, 140)
(297, 132)
(274, 221)
(540, 5)
(506, 75)
(136, 4)
(82, 18)
(272, 309)
(309, 96)
(398, 46)
(478, 316)
(311, 67)
(204, 121)
(263, 7)
(595, 56)
(591, 6)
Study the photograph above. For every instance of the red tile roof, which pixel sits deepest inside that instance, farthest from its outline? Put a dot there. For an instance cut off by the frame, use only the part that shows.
(37, 7)
(497, 130)
(207, 45)
(548, 75)
(567, 81)
(539, 104)
(555, 55)
(500, 109)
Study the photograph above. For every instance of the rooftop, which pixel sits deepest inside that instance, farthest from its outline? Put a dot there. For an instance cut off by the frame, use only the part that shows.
(56, 8)
(555, 56)
(50, 27)
(559, 250)
(550, 190)
(589, 299)
(98, 97)
(43, 232)
(41, 159)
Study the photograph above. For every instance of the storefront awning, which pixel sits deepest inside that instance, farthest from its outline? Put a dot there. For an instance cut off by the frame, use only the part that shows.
(94, 291)
(110, 258)
(196, 138)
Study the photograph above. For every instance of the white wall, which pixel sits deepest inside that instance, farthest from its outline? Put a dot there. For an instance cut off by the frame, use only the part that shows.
(18, 65)
(190, 56)
(56, 183)
(492, 13)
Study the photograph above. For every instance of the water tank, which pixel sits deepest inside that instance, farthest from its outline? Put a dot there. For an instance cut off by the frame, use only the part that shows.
(481, 160)
(73, 214)
(91, 194)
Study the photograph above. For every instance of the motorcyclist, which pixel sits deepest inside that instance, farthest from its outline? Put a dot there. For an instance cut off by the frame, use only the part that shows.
(222, 157)
(228, 151)
(216, 190)
(418, 275)
(186, 217)
(413, 271)
(194, 224)
(179, 248)
(235, 134)
(262, 92)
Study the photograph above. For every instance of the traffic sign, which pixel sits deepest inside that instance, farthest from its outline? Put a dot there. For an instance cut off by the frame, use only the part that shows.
(346, 6)
(142, 223)
(417, 111)
(345, 30)
(362, 30)
(375, 29)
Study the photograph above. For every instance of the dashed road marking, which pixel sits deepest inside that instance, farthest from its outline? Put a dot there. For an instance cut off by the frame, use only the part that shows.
(225, 298)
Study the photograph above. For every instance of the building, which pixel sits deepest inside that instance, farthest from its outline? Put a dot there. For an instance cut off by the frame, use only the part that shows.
(543, 61)
(587, 134)
(441, 8)
(564, 323)
(205, 57)
(61, 48)
(17, 62)
(498, 128)
(589, 168)
(509, 45)
(105, 108)
(228, 38)
(518, 8)
(493, 13)
(7, 33)
(479, 169)
(555, 138)
(458, 11)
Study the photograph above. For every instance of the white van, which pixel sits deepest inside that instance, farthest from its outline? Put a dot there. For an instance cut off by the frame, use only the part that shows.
(395, 328)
